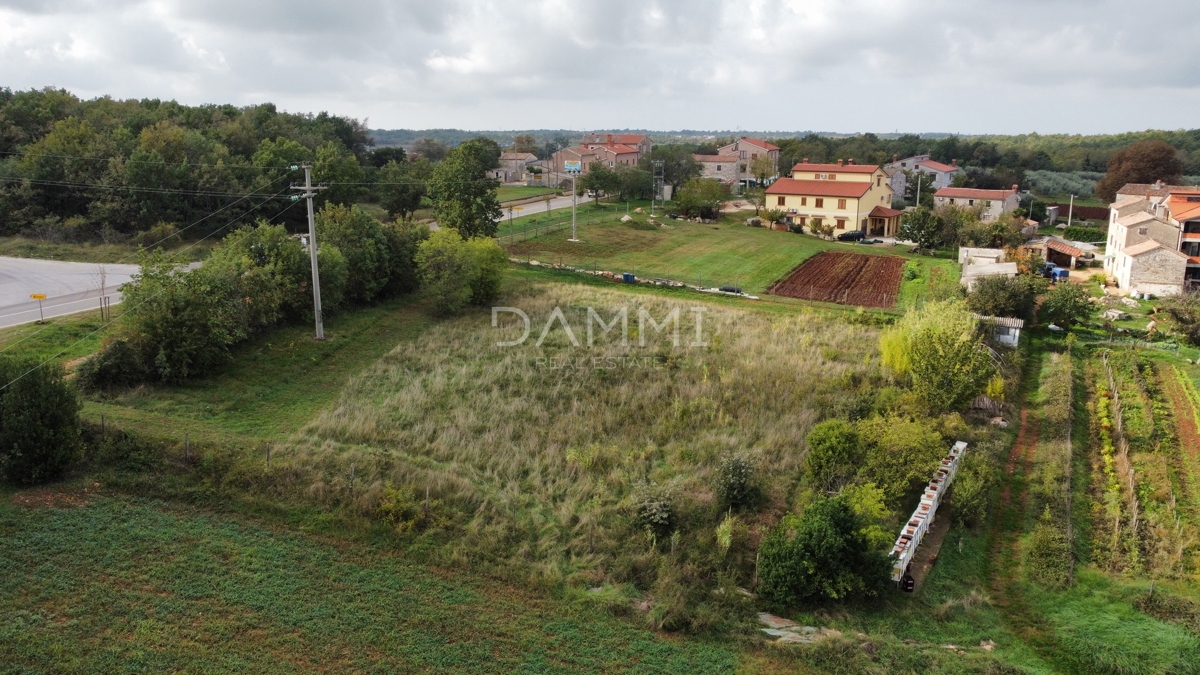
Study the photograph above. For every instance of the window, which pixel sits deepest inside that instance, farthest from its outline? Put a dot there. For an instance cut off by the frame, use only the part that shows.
(754, 155)
(991, 203)
(952, 200)
(878, 181)
(817, 176)
(741, 154)
(820, 203)
(1143, 231)
(841, 223)
(841, 203)
(780, 201)
(970, 202)
(833, 176)
(718, 167)
(804, 201)
(801, 221)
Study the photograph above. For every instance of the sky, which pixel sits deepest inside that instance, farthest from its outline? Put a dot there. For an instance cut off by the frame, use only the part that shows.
(958, 66)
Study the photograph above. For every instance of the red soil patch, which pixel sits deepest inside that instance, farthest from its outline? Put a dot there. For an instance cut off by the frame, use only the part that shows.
(844, 278)
(46, 498)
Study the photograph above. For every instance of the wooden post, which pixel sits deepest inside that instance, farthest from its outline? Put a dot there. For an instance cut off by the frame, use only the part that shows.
(187, 447)
(427, 502)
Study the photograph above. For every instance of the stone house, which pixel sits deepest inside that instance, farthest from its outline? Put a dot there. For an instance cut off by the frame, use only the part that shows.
(720, 167)
(747, 150)
(994, 203)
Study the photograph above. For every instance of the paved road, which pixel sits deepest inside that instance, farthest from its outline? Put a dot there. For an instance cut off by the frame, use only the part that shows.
(69, 287)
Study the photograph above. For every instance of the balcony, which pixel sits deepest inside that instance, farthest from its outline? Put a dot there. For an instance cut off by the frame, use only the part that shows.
(1191, 236)
(1193, 260)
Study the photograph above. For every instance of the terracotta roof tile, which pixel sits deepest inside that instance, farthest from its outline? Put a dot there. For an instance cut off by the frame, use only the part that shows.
(818, 188)
(1153, 190)
(762, 144)
(937, 166)
(884, 212)
(1064, 248)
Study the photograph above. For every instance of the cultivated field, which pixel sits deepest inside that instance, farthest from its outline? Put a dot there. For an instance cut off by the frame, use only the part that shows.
(844, 278)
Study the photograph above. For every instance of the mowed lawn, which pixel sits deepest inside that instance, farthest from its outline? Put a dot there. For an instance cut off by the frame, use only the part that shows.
(723, 253)
(114, 585)
(506, 193)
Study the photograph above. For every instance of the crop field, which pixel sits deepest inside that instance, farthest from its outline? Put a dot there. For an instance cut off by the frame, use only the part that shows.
(844, 278)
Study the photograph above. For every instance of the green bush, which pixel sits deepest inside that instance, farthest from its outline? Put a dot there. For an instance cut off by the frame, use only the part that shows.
(1087, 234)
(912, 270)
(654, 508)
(735, 480)
(160, 236)
(118, 364)
(971, 492)
(1006, 296)
(1048, 556)
(39, 422)
(362, 241)
(457, 272)
(1067, 303)
(822, 555)
(835, 454)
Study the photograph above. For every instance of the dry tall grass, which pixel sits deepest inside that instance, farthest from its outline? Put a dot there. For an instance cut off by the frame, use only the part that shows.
(539, 463)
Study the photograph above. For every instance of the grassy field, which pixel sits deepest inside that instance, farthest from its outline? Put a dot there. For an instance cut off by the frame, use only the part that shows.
(101, 584)
(723, 253)
(507, 193)
(23, 247)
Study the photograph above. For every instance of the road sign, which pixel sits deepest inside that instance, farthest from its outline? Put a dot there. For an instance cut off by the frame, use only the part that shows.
(38, 296)
(576, 167)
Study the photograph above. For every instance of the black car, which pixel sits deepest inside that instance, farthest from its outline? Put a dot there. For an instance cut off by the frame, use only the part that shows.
(853, 235)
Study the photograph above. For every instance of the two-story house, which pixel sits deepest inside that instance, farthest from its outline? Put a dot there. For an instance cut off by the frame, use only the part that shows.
(846, 195)
(747, 150)
(639, 142)
(719, 167)
(943, 174)
(994, 203)
(1153, 243)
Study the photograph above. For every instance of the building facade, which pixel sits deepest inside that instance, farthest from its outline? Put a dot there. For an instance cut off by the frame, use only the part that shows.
(845, 195)
(747, 150)
(1153, 243)
(943, 174)
(993, 203)
(719, 167)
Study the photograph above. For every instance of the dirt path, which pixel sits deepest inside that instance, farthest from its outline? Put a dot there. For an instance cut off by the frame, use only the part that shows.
(1006, 531)
(927, 553)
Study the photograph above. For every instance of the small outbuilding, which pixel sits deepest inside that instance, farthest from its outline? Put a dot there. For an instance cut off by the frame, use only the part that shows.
(1004, 330)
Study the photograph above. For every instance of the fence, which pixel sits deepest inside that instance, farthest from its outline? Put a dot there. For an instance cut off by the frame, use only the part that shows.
(1082, 212)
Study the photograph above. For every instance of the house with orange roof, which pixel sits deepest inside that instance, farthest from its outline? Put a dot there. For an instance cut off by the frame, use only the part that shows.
(993, 203)
(846, 195)
(640, 142)
(1153, 243)
(943, 174)
(748, 150)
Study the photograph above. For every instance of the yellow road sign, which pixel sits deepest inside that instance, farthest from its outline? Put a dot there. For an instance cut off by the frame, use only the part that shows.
(38, 296)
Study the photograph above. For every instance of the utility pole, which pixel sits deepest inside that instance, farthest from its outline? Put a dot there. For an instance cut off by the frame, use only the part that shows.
(658, 182)
(574, 199)
(308, 191)
(1071, 211)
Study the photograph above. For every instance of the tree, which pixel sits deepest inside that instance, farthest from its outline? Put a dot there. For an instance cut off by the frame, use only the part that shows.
(1006, 296)
(634, 183)
(599, 179)
(901, 454)
(458, 272)
(921, 226)
(380, 157)
(340, 169)
(925, 180)
(525, 143)
(757, 198)
(762, 167)
(774, 215)
(1184, 310)
(701, 196)
(361, 240)
(1067, 304)
(401, 185)
(1142, 162)
(834, 454)
(430, 148)
(39, 422)
(822, 554)
(939, 352)
(464, 198)
(679, 166)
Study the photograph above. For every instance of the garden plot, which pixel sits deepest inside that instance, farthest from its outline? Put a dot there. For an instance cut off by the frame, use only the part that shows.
(844, 278)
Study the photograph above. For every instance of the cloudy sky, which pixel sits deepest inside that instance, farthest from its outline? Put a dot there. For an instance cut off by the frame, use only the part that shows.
(965, 66)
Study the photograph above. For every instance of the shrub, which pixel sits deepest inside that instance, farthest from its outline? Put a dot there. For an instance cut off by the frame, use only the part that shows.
(456, 272)
(1088, 234)
(735, 483)
(938, 350)
(822, 554)
(834, 454)
(403, 510)
(654, 508)
(160, 236)
(1066, 303)
(971, 492)
(902, 453)
(39, 422)
(1005, 296)
(912, 270)
(1048, 557)
(117, 365)
(362, 241)
(488, 263)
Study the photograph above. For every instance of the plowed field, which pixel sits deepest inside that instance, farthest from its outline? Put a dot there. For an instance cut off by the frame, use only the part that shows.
(844, 278)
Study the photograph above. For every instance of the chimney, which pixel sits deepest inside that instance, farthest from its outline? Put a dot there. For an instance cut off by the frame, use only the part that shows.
(1015, 187)
(895, 158)
(954, 162)
(610, 139)
(839, 162)
(743, 138)
(805, 161)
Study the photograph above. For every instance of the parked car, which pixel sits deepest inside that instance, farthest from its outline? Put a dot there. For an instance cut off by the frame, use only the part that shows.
(853, 235)
(731, 289)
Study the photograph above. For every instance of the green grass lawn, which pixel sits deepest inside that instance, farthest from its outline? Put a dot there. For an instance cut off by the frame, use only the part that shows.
(507, 193)
(127, 586)
(93, 252)
(725, 252)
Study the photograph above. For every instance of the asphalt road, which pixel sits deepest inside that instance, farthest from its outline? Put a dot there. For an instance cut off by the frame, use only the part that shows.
(69, 287)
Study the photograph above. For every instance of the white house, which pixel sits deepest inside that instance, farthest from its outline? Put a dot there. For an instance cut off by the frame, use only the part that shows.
(943, 174)
(1150, 267)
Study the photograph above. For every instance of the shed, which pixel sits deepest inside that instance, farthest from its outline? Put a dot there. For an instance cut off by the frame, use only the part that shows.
(971, 273)
(1004, 329)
